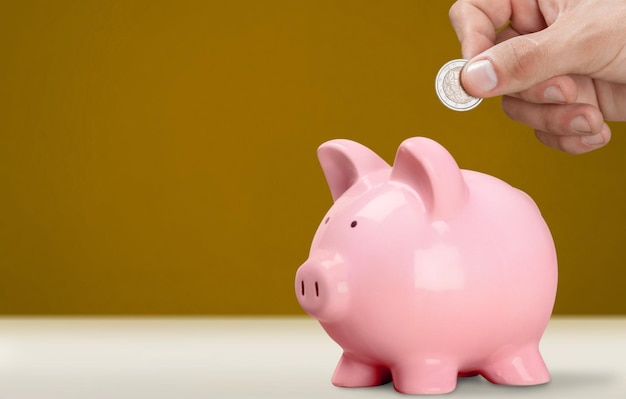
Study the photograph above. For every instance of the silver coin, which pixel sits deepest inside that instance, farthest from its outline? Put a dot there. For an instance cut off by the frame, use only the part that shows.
(449, 89)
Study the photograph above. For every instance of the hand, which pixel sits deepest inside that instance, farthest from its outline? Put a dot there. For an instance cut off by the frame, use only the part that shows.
(559, 64)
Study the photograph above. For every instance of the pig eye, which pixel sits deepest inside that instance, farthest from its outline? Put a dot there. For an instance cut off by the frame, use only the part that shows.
(353, 224)
(327, 219)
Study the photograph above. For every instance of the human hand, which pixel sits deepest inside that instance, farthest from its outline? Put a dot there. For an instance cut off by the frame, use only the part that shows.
(559, 64)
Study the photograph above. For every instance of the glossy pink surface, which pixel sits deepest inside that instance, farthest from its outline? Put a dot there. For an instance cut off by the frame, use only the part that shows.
(423, 272)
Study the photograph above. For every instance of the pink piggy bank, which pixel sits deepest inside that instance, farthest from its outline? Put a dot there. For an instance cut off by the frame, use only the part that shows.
(423, 272)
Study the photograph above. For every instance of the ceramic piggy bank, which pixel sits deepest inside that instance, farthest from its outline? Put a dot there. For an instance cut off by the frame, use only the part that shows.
(423, 272)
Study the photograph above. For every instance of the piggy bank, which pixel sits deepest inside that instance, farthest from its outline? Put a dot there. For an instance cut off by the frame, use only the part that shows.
(423, 272)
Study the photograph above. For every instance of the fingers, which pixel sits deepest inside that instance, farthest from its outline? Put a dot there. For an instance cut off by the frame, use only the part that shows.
(612, 100)
(558, 38)
(476, 23)
(502, 63)
(574, 144)
(558, 90)
(574, 128)
(514, 65)
(559, 65)
(574, 42)
(561, 119)
(523, 54)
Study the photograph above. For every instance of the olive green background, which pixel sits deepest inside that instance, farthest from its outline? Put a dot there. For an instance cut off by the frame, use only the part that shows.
(158, 158)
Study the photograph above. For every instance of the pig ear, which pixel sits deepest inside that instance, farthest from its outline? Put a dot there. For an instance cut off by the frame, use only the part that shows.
(429, 169)
(344, 162)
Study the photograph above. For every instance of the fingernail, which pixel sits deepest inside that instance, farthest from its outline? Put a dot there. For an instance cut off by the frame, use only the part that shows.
(554, 93)
(593, 140)
(481, 75)
(580, 124)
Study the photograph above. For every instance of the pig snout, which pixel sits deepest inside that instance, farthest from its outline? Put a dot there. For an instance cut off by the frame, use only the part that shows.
(321, 288)
(309, 280)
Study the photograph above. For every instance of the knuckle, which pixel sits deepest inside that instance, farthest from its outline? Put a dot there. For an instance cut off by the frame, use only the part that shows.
(545, 138)
(522, 54)
(560, 143)
(510, 106)
(552, 119)
(547, 118)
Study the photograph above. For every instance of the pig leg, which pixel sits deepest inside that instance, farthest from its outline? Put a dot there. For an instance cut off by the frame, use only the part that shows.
(353, 373)
(523, 366)
(427, 376)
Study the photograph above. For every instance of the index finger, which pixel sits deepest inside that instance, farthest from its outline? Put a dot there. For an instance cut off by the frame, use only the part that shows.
(476, 23)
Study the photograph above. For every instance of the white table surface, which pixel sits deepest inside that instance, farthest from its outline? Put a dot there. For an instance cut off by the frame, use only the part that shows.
(188, 358)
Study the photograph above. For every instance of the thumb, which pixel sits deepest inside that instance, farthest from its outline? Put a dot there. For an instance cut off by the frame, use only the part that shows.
(515, 65)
